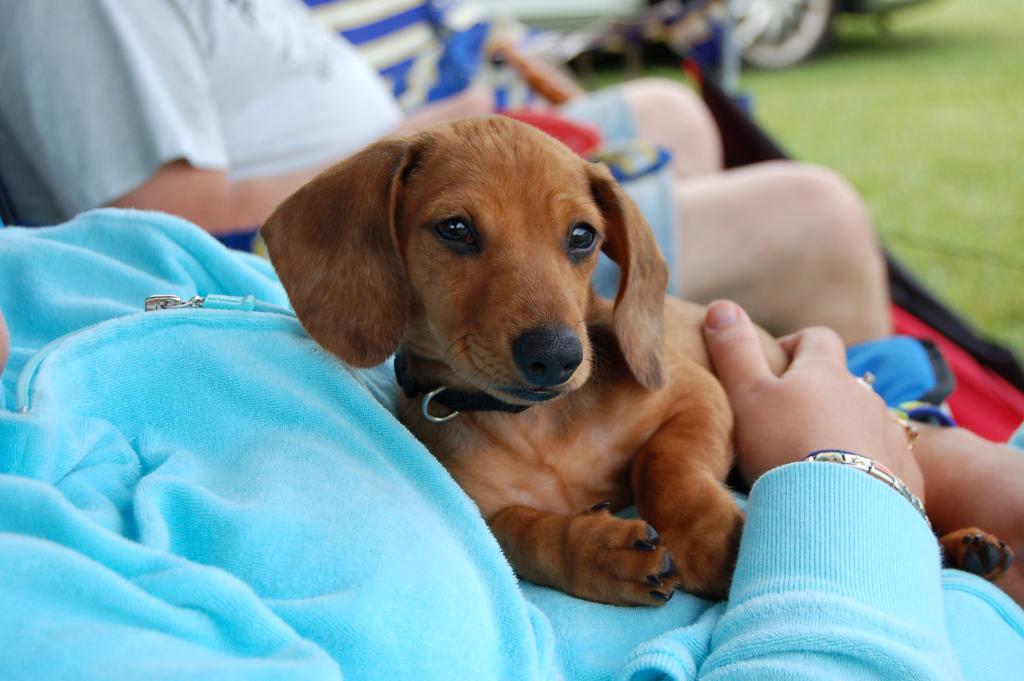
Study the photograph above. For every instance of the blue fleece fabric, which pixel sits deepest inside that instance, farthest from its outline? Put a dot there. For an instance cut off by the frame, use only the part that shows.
(205, 494)
(902, 368)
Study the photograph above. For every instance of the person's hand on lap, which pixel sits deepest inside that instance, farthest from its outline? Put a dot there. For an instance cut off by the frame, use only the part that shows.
(815, 404)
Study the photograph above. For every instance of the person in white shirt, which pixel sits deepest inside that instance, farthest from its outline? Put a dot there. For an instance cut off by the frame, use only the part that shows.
(217, 110)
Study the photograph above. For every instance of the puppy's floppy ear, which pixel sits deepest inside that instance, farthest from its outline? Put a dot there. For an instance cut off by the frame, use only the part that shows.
(334, 244)
(643, 279)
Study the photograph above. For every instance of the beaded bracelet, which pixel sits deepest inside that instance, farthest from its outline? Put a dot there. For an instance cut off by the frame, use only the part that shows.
(872, 468)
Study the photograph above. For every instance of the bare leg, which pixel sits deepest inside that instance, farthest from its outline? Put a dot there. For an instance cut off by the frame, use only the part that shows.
(791, 242)
(970, 481)
(673, 116)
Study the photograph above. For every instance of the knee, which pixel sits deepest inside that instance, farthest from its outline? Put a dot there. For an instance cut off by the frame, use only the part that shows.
(665, 95)
(835, 263)
(672, 115)
(842, 256)
(837, 220)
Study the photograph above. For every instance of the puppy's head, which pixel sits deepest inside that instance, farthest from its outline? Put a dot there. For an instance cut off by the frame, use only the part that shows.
(473, 243)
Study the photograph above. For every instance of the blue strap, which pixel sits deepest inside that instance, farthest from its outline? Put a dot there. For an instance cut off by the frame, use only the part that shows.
(906, 369)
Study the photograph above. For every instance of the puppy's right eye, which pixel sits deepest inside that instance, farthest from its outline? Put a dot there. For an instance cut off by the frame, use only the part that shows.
(457, 229)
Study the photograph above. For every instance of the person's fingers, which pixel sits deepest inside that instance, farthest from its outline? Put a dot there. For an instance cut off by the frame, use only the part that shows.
(789, 341)
(734, 347)
(814, 345)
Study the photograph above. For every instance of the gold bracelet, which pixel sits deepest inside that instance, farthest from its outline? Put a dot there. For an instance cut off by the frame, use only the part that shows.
(867, 381)
(872, 468)
(909, 429)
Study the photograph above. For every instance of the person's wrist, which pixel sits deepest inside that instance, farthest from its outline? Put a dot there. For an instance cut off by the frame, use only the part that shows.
(794, 449)
(871, 467)
(830, 517)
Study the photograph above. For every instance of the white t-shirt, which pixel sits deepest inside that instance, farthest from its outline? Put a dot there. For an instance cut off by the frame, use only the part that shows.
(98, 94)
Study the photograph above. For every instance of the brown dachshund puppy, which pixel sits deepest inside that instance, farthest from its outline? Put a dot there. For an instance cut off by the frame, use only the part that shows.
(469, 248)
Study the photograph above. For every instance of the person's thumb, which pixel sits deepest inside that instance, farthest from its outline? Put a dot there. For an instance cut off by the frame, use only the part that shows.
(734, 347)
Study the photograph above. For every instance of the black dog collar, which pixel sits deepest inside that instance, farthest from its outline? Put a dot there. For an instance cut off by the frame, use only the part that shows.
(454, 400)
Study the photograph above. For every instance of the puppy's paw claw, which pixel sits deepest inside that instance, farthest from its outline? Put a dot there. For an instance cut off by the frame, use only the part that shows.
(704, 560)
(977, 552)
(663, 596)
(667, 570)
(649, 542)
(618, 561)
(667, 566)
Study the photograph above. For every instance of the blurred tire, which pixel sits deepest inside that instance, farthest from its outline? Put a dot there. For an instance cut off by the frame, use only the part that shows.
(773, 34)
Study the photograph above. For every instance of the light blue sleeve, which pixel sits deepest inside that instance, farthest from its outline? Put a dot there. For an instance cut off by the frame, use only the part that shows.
(839, 578)
(1017, 440)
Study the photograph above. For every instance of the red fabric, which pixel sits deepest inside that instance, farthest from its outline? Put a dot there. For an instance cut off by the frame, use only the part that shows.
(579, 137)
(983, 401)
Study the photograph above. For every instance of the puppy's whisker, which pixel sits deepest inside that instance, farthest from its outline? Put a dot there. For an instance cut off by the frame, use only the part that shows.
(460, 340)
(449, 360)
(481, 378)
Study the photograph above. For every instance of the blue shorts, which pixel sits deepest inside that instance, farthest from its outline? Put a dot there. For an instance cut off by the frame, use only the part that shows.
(608, 111)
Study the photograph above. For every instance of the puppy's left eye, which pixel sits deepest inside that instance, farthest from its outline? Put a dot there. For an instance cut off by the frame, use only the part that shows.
(456, 229)
(459, 235)
(582, 237)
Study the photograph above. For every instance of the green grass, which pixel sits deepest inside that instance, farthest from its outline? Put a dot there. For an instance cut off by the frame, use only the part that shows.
(927, 121)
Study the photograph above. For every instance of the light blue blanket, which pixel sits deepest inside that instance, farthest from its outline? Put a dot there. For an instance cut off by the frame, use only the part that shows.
(205, 494)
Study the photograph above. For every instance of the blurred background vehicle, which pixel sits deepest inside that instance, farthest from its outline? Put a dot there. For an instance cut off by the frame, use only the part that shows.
(767, 33)
(774, 34)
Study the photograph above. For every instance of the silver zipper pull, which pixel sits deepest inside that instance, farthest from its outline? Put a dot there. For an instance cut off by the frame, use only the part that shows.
(169, 302)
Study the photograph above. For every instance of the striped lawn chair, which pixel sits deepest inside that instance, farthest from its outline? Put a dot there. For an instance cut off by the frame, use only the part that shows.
(425, 52)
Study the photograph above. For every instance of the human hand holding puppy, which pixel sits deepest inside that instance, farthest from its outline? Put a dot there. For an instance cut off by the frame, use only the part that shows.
(815, 404)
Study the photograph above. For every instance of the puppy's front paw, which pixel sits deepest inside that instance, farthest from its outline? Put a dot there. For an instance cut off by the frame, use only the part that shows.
(616, 561)
(976, 552)
(704, 551)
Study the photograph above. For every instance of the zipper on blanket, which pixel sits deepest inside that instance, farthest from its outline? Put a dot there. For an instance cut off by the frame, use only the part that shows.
(168, 302)
(212, 301)
(152, 304)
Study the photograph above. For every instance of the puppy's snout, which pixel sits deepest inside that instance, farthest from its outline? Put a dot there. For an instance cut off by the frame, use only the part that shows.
(547, 357)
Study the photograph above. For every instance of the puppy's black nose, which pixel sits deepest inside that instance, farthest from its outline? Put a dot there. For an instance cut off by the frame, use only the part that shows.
(547, 357)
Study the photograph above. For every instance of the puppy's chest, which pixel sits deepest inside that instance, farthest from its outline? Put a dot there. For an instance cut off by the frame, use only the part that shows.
(559, 458)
